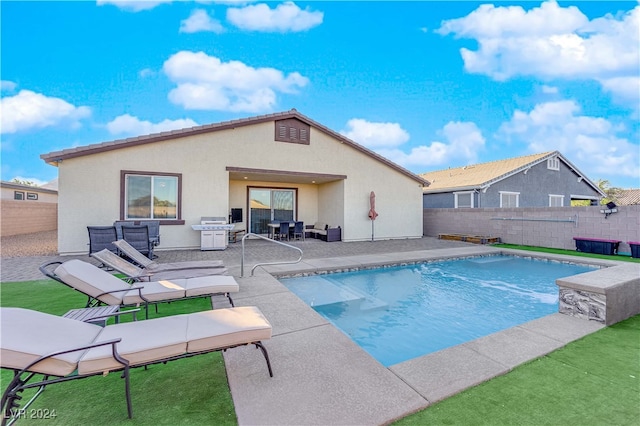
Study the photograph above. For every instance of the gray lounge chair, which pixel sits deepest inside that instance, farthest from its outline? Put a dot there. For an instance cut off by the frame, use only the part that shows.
(151, 265)
(102, 288)
(142, 274)
(63, 349)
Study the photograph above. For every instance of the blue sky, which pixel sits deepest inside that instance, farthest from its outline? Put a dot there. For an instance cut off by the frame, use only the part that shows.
(429, 85)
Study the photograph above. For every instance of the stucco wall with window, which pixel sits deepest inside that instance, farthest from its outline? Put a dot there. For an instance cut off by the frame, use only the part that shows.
(92, 193)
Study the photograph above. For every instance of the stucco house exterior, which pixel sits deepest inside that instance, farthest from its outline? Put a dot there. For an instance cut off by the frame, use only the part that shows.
(27, 209)
(277, 166)
(547, 179)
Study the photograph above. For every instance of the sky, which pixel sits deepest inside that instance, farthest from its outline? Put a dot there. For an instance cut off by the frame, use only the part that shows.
(428, 85)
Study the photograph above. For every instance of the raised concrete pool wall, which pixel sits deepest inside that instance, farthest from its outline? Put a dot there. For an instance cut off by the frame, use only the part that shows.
(608, 295)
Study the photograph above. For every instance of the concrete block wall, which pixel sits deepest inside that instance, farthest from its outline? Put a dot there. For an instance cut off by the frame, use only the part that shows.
(552, 227)
(25, 217)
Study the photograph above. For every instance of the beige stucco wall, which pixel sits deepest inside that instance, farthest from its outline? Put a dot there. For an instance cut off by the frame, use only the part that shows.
(89, 186)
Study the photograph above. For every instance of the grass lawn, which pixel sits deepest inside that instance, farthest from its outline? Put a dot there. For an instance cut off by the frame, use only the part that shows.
(569, 252)
(593, 381)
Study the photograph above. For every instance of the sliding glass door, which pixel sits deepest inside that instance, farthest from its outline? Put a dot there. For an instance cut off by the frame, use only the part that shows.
(267, 205)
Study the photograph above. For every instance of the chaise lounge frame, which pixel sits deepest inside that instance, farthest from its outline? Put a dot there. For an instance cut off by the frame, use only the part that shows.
(93, 300)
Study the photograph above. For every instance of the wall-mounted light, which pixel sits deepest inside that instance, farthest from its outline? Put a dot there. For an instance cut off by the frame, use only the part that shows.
(611, 208)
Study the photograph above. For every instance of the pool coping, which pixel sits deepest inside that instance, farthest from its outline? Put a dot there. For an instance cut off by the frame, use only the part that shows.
(322, 377)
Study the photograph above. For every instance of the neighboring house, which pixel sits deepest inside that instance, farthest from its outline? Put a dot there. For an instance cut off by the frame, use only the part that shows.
(628, 197)
(282, 166)
(539, 180)
(27, 209)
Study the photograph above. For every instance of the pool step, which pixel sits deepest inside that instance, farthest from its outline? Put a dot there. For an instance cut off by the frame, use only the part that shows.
(320, 292)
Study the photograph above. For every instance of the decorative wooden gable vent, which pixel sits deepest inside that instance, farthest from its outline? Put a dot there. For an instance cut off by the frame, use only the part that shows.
(293, 131)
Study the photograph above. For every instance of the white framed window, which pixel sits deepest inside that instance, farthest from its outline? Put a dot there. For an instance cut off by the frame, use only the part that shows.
(463, 199)
(509, 199)
(151, 196)
(18, 195)
(553, 163)
(556, 200)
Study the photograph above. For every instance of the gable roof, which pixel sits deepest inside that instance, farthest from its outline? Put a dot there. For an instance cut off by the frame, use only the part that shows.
(483, 175)
(55, 157)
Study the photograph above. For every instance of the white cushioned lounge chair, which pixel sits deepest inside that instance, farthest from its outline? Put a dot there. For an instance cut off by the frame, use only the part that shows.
(153, 266)
(135, 273)
(63, 349)
(102, 288)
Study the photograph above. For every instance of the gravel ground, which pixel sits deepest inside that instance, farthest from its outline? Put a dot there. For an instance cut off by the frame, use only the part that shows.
(37, 244)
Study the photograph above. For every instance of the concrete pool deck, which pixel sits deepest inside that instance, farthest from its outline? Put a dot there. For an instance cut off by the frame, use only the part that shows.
(320, 376)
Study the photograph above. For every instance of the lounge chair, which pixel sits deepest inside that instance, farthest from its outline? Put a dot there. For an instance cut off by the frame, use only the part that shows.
(63, 349)
(102, 288)
(150, 265)
(142, 274)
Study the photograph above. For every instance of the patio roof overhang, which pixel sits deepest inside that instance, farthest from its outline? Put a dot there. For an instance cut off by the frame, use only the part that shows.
(286, 176)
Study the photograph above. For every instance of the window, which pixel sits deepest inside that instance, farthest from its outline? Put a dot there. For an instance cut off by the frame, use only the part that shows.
(509, 199)
(556, 200)
(463, 199)
(553, 163)
(18, 195)
(151, 196)
(32, 196)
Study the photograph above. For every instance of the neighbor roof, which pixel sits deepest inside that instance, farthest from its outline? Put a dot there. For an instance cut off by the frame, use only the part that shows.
(482, 175)
(55, 157)
(628, 197)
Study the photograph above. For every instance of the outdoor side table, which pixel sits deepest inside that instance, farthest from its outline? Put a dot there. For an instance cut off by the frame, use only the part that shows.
(96, 315)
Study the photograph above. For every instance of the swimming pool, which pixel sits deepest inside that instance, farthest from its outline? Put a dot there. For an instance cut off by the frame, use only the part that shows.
(399, 313)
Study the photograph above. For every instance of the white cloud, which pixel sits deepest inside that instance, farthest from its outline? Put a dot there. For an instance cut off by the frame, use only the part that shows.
(200, 21)
(205, 82)
(285, 17)
(8, 86)
(133, 126)
(549, 42)
(132, 5)
(550, 90)
(463, 142)
(591, 143)
(375, 135)
(147, 72)
(625, 90)
(28, 110)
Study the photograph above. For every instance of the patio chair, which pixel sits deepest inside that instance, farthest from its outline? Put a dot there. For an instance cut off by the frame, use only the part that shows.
(102, 237)
(298, 230)
(155, 267)
(102, 288)
(135, 273)
(154, 231)
(283, 231)
(62, 349)
(138, 237)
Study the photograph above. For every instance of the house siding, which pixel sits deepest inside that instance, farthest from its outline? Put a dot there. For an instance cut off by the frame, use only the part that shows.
(534, 188)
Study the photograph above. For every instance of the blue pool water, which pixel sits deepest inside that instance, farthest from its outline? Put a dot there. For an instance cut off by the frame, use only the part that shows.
(399, 313)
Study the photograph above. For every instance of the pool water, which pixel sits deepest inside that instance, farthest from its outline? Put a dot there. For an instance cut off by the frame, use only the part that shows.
(399, 313)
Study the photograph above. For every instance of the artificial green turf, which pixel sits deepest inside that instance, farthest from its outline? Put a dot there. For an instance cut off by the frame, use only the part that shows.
(187, 391)
(568, 252)
(595, 381)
